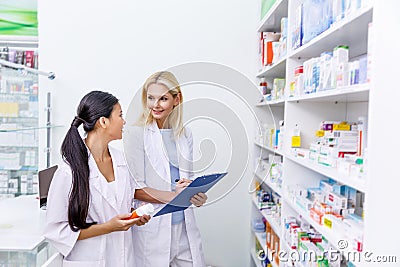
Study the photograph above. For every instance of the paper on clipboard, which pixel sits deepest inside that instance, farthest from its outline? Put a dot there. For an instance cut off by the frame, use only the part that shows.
(182, 201)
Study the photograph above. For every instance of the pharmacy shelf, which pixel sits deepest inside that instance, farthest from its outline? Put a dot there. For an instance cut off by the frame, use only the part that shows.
(11, 94)
(351, 31)
(258, 262)
(275, 103)
(16, 146)
(18, 117)
(272, 20)
(276, 151)
(285, 247)
(274, 225)
(348, 94)
(272, 221)
(31, 128)
(23, 168)
(330, 172)
(273, 186)
(13, 41)
(354, 100)
(277, 70)
(288, 250)
(333, 236)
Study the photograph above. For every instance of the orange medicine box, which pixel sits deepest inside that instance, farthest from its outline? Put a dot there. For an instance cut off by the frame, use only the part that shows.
(316, 216)
(276, 248)
(268, 233)
(267, 53)
(271, 252)
(322, 208)
(273, 238)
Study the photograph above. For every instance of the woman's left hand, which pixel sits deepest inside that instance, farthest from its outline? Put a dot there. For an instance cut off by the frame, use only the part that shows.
(143, 220)
(199, 199)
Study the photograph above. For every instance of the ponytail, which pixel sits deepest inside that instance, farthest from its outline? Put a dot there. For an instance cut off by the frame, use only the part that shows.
(74, 152)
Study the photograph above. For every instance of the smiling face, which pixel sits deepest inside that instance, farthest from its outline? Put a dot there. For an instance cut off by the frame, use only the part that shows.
(160, 102)
(116, 123)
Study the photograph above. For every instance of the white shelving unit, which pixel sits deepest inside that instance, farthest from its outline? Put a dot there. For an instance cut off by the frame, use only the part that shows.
(270, 149)
(353, 93)
(274, 70)
(330, 172)
(257, 262)
(308, 110)
(272, 20)
(259, 236)
(276, 103)
(351, 31)
(273, 222)
(273, 186)
(333, 237)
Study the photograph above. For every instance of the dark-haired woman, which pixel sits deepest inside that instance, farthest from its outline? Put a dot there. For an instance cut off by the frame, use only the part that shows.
(91, 194)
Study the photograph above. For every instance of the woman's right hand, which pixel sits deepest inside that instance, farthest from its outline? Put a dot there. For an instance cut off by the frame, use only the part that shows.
(120, 223)
(182, 184)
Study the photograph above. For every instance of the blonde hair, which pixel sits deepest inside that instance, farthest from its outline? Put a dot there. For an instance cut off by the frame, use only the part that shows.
(174, 119)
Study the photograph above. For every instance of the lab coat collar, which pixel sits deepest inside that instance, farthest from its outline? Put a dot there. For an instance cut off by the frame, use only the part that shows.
(154, 143)
(100, 183)
(153, 127)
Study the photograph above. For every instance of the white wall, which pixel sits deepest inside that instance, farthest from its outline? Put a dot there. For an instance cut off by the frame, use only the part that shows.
(114, 46)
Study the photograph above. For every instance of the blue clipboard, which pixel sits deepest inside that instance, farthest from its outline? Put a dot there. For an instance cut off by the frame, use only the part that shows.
(182, 201)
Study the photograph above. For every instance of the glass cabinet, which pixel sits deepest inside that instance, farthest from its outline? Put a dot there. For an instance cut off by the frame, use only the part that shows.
(18, 128)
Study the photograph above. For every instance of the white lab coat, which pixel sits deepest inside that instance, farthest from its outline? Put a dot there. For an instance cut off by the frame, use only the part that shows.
(148, 162)
(114, 249)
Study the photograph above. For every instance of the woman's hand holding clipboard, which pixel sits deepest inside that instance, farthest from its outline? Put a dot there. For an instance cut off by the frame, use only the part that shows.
(191, 193)
(198, 199)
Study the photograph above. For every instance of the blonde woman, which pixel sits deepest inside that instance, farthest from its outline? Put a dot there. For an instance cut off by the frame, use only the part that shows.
(160, 159)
